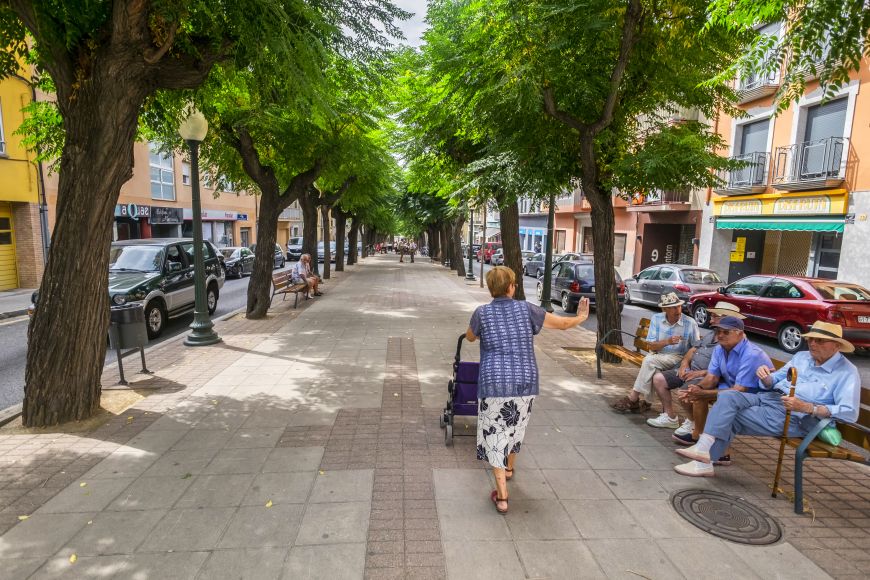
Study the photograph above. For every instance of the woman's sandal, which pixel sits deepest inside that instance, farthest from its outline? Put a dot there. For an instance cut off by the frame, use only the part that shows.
(508, 474)
(495, 499)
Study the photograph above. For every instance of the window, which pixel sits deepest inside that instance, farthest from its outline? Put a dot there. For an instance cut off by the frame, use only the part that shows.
(162, 174)
(753, 137)
(700, 277)
(826, 120)
(185, 173)
(649, 273)
(782, 289)
(750, 286)
(840, 291)
(2, 133)
(667, 274)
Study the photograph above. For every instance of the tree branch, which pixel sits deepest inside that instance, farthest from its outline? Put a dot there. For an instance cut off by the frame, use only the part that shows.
(152, 56)
(301, 183)
(330, 199)
(60, 65)
(551, 109)
(263, 175)
(630, 28)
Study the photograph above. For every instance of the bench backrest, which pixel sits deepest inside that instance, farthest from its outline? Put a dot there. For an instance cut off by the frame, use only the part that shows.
(281, 280)
(641, 334)
(854, 435)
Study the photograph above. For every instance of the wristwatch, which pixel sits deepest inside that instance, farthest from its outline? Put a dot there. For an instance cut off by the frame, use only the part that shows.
(814, 411)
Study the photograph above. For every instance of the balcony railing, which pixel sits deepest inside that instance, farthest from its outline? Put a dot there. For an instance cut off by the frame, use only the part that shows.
(660, 200)
(291, 213)
(811, 164)
(757, 85)
(751, 178)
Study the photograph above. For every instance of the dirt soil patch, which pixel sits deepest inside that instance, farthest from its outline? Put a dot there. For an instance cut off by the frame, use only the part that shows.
(113, 402)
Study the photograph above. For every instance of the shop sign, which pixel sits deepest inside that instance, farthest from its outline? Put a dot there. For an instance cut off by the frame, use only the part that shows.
(166, 215)
(242, 217)
(131, 210)
(738, 250)
(212, 214)
(814, 205)
(741, 207)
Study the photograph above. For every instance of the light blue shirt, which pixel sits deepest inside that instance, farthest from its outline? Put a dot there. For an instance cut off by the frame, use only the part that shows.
(738, 367)
(835, 384)
(685, 327)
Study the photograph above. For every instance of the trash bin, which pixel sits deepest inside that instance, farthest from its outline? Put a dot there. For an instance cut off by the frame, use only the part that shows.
(127, 327)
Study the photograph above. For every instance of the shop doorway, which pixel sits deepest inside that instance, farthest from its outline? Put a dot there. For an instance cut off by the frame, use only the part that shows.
(825, 256)
(747, 253)
(667, 244)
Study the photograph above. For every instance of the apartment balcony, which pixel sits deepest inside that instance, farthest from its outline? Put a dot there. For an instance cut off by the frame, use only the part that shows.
(757, 86)
(684, 114)
(810, 165)
(291, 214)
(749, 179)
(657, 201)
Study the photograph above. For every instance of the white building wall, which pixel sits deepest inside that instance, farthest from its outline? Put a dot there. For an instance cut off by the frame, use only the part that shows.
(714, 250)
(855, 253)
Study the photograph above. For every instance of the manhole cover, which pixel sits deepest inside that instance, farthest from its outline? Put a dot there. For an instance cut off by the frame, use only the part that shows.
(727, 517)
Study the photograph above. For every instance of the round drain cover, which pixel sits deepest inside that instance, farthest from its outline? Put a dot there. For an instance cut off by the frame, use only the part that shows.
(727, 517)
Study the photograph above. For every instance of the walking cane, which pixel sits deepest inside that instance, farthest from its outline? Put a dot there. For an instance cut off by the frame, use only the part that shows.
(792, 377)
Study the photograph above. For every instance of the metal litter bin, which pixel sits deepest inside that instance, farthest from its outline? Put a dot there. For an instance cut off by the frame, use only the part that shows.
(127, 331)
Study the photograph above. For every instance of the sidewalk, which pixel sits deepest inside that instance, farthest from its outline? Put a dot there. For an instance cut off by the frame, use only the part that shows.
(307, 446)
(14, 302)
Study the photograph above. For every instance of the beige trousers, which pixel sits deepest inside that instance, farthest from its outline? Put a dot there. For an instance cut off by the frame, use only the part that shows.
(653, 363)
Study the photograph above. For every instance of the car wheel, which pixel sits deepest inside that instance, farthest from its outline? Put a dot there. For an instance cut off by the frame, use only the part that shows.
(540, 291)
(566, 304)
(627, 295)
(211, 297)
(155, 319)
(790, 338)
(702, 317)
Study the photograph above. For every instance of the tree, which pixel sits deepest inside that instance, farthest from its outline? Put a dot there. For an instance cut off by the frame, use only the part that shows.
(825, 36)
(106, 60)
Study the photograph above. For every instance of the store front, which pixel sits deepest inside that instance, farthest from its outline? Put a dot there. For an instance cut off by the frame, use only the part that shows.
(218, 226)
(166, 222)
(790, 234)
(131, 222)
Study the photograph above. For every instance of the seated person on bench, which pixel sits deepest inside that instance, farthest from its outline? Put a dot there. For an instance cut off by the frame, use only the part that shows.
(671, 334)
(301, 274)
(828, 385)
(691, 371)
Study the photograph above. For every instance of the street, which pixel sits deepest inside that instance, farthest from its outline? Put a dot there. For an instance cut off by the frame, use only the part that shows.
(13, 340)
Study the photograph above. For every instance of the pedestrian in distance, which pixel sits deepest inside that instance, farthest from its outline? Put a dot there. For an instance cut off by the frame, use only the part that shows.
(508, 379)
(412, 249)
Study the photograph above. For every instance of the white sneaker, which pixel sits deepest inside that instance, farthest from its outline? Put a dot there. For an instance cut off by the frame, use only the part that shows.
(686, 428)
(693, 453)
(664, 421)
(695, 469)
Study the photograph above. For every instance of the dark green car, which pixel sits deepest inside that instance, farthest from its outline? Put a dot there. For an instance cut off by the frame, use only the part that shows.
(159, 273)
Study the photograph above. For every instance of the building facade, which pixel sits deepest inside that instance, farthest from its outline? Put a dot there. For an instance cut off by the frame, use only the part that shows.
(799, 204)
(22, 241)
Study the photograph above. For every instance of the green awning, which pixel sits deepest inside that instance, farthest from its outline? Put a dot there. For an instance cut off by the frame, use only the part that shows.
(803, 224)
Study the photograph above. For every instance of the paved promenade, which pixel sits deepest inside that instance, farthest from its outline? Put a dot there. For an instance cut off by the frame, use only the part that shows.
(307, 446)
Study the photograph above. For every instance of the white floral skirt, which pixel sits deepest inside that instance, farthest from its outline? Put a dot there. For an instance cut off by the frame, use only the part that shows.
(501, 426)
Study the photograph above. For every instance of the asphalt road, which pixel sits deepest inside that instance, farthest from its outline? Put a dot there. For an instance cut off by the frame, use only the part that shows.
(13, 340)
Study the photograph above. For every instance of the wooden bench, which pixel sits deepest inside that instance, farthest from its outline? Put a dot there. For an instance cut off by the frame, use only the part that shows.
(858, 434)
(635, 357)
(281, 284)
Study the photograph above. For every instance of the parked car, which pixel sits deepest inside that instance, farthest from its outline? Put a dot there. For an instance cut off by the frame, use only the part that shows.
(237, 261)
(647, 286)
(785, 306)
(280, 260)
(572, 257)
(526, 254)
(575, 280)
(158, 273)
(320, 252)
(497, 258)
(487, 250)
(294, 248)
(534, 265)
(475, 250)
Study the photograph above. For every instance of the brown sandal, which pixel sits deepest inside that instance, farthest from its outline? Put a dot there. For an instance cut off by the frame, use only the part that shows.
(626, 405)
(508, 474)
(495, 499)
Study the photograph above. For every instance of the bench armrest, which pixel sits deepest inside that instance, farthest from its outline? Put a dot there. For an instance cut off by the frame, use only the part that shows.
(811, 436)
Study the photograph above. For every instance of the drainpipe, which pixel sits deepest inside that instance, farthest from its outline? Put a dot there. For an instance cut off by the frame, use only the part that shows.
(43, 202)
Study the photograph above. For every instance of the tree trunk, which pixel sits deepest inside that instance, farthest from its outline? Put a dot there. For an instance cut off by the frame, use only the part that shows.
(260, 284)
(434, 246)
(446, 246)
(340, 237)
(367, 239)
(458, 263)
(308, 205)
(510, 239)
(352, 241)
(67, 336)
(327, 248)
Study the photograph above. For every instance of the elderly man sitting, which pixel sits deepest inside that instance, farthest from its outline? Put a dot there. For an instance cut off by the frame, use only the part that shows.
(671, 334)
(828, 385)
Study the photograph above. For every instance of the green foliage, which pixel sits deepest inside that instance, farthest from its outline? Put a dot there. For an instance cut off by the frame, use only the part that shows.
(825, 36)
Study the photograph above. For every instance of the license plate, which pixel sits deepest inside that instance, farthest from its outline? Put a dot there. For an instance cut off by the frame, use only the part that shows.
(592, 289)
(864, 320)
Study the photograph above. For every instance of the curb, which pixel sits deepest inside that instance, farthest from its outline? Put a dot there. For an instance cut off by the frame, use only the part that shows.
(13, 314)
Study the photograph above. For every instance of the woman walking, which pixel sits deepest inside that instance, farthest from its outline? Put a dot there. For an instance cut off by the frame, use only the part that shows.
(508, 381)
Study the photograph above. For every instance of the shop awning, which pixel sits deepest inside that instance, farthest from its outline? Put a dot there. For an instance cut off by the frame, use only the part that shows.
(804, 224)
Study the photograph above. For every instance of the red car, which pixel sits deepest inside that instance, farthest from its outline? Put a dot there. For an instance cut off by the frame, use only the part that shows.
(487, 250)
(786, 306)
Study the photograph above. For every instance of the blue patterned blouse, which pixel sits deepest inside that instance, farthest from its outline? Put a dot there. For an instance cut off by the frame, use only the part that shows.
(506, 328)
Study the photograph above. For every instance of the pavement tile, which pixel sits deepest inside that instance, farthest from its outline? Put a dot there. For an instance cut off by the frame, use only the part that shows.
(343, 486)
(334, 523)
(577, 484)
(287, 459)
(476, 560)
(175, 566)
(236, 460)
(184, 530)
(246, 564)
(767, 561)
(280, 488)
(86, 496)
(660, 520)
(114, 533)
(260, 526)
(539, 520)
(333, 562)
(608, 457)
(471, 520)
(630, 559)
(607, 519)
(125, 462)
(150, 493)
(693, 557)
(554, 457)
(153, 440)
(248, 438)
(216, 491)
(633, 484)
(41, 535)
(558, 559)
(182, 462)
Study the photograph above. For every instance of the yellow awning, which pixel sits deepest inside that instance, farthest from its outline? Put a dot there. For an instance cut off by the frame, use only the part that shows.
(804, 203)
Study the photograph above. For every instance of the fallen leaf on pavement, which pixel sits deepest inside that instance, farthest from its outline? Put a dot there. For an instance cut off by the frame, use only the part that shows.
(73, 558)
(322, 472)
(22, 518)
(83, 484)
(269, 503)
(187, 476)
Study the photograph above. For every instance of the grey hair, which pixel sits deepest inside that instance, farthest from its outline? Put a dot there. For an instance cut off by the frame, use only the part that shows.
(305, 256)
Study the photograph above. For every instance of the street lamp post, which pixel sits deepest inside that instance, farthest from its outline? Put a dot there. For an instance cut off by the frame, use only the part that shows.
(469, 275)
(546, 302)
(193, 131)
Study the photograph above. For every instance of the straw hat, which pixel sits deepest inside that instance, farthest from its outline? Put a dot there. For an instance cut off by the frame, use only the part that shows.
(726, 309)
(670, 299)
(828, 331)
